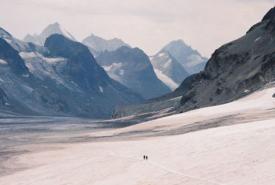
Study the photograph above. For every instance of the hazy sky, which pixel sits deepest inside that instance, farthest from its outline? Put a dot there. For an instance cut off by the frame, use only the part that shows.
(148, 24)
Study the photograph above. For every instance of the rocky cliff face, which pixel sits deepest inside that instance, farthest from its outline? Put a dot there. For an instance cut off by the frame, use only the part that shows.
(236, 69)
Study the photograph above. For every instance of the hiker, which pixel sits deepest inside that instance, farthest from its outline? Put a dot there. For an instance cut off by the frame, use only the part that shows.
(145, 157)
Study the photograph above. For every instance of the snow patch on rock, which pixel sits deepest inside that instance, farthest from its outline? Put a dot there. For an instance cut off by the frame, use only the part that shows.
(168, 81)
(3, 62)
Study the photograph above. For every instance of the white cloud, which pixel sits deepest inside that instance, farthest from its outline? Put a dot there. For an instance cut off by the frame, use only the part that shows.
(148, 24)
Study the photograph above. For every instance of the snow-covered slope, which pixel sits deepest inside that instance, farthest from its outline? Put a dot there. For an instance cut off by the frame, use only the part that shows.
(98, 44)
(168, 70)
(190, 59)
(54, 28)
(166, 79)
(257, 106)
(189, 149)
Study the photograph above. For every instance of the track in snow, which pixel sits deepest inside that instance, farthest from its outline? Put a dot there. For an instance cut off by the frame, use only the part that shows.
(169, 170)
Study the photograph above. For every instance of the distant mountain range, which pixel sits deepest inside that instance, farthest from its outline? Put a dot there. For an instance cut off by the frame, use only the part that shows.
(52, 74)
(61, 78)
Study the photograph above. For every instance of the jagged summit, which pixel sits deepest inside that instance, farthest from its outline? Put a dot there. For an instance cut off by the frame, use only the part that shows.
(56, 28)
(51, 29)
(179, 45)
(97, 37)
(188, 57)
(98, 44)
(4, 33)
(56, 24)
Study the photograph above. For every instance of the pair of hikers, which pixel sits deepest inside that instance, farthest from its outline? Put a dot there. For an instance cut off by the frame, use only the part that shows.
(145, 157)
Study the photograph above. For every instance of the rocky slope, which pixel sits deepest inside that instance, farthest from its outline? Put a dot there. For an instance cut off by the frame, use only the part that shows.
(235, 69)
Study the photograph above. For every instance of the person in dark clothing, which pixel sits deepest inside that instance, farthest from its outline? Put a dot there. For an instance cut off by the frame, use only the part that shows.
(145, 157)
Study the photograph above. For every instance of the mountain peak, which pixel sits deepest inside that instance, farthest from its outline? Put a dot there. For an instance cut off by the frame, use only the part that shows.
(178, 41)
(54, 28)
(93, 36)
(4, 33)
(56, 24)
(53, 25)
(176, 45)
(270, 14)
(189, 58)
